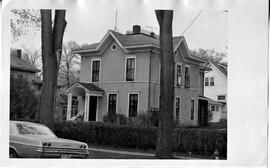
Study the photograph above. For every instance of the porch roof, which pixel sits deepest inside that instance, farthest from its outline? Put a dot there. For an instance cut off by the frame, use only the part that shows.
(210, 101)
(89, 86)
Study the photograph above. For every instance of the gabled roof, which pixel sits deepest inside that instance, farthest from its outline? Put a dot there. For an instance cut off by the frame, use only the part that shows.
(220, 67)
(89, 86)
(19, 64)
(127, 41)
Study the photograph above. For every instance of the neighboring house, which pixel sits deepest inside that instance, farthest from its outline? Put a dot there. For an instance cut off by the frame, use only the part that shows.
(19, 68)
(120, 75)
(215, 87)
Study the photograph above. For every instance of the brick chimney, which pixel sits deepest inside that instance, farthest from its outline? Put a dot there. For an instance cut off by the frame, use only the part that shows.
(19, 53)
(136, 29)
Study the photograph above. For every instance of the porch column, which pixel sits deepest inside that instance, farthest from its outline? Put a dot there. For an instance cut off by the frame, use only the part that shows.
(69, 106)
(86, 107)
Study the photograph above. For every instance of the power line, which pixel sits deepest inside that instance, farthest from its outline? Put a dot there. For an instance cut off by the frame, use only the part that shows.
(191, 22)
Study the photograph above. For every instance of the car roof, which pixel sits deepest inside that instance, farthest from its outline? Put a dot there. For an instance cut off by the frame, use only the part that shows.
(26, 122)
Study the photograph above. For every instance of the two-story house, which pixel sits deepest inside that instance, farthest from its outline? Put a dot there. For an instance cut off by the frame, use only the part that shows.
(120, 74)
(215, 87)
(19, 68)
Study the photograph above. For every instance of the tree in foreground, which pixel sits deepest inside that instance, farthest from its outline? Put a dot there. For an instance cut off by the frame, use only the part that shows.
(165, 140)
(51, 40)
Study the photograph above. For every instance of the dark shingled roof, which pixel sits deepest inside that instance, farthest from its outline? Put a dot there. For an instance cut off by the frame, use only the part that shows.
(19, 64)
(91, 87)
(220, 67)
(132, 40)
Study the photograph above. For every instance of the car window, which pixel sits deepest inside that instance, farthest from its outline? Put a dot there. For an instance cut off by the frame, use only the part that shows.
(33, 129)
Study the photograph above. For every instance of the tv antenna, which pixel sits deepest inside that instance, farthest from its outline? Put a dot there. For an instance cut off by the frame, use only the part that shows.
(115, 24)
(151, 28)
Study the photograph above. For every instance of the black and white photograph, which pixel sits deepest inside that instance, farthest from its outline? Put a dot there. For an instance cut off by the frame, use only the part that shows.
(125, 81)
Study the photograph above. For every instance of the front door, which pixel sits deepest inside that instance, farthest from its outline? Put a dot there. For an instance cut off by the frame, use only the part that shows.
(92, 108)
(203, 113)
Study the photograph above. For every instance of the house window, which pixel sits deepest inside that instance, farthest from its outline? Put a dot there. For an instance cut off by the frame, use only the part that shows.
(178, 75)
(212, 108)
(133, 105)
(221, 97)
(95, 70)
(217, 108)
(206, 81)
(212, 81)
(177, 108)
(112, 104)
(192, 111)
(130, 69)
(187, 77)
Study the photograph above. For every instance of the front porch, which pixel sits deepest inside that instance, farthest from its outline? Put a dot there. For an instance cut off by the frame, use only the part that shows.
(87, 95)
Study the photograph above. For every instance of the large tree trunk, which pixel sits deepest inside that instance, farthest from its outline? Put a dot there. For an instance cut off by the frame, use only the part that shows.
(164, 141)
(51, 55)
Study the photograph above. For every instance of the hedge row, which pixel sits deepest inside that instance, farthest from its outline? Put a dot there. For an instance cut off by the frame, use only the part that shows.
(196, 141)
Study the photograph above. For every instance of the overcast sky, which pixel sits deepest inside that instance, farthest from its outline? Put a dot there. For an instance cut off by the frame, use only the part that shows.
(90, 24)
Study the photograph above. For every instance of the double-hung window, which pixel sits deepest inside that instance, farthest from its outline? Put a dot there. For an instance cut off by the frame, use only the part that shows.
(95, 70)
(212, 81)
(133, 105)
(130, 69)
(177, 108)
(178, 75)
(192, 110)
(112, 104)
(206, 81)
(187, 77)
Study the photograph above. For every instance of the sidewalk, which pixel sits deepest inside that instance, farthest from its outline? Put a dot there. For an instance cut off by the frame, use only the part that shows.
(133, 153)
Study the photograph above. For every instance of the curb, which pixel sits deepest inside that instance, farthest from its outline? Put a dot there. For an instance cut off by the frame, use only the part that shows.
(133, 153)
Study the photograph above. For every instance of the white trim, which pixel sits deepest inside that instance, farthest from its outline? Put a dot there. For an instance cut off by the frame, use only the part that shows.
(108, 95)
(141, 46)
(127, 57)
(176, 97)
(69, 106)
(190, 109)
(138, 93)
(97, 109)
(91, 72)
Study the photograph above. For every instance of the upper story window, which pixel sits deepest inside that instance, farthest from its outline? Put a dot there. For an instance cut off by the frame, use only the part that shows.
(206, 81)
(212, 81)
(187, 77)
(130, 69)
(95, 70)
(178, 75)
(221, 97)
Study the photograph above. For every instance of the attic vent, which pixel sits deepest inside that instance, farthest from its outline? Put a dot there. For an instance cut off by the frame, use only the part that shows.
(113, 47)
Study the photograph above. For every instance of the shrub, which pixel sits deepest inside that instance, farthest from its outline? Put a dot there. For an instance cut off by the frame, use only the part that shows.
(196, 141)
(119, 119)
(23, 100)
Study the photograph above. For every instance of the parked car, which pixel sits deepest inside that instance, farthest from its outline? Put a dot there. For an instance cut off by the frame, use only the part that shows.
(32, 140)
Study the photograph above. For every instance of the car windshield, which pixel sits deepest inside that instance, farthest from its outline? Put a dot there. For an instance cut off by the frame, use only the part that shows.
(34, 129)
